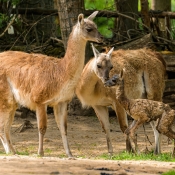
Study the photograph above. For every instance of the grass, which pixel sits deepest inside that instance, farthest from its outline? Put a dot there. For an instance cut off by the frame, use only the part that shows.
(23, 153)
(166, 157)
(48, 151)
(171, 172)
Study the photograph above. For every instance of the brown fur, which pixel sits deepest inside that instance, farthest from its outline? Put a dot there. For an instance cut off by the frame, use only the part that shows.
(144, 78)
(144, 110)
(36, 81)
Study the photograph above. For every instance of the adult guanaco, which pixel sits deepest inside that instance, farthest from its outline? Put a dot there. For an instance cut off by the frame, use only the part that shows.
(145, 74)
(37, 81)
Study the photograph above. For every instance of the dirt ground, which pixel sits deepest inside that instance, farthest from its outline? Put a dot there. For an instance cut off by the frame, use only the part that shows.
(87, 142)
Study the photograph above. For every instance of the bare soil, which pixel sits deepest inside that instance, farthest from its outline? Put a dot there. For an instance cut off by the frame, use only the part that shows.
(87, 142)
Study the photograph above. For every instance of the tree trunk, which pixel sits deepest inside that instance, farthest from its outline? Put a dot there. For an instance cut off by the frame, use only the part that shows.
(145, 13)
(164, 5)
(68, 11)
(125, 26)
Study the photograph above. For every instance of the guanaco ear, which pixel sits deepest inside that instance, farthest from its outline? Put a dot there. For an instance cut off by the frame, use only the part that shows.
(81, 18)
(95, 51)
(92, 16)
(110, 52)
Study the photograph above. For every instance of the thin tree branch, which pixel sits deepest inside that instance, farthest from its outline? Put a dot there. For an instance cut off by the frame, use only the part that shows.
(56, 39)
(10, 23)
(35, 24)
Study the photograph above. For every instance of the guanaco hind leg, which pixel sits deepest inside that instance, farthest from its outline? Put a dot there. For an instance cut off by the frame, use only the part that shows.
(156, 94)
(165, 124)
(7, 111)
(157, 137)
(123, 122)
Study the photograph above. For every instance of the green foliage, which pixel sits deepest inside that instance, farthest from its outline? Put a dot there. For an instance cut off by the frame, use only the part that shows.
(3, 19)
(171, 172)
(99, 5)
(173, 5)
(14, 2)
(166, 157)
(104, 24)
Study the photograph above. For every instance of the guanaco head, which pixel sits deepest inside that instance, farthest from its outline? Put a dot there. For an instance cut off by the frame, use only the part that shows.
(88, 29)
(118, 82)
(102, 64)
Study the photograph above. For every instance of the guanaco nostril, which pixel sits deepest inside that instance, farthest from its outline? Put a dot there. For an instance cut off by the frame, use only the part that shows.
(106, 78)
(114, 80)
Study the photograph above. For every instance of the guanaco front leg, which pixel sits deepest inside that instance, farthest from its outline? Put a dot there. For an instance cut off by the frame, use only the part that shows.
(60, 112)
(42, 126)
(123, 122)
(131, 132)
(103, 116)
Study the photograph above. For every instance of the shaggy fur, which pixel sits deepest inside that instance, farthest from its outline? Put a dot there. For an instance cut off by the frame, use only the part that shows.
(143, 110)
(145, 74)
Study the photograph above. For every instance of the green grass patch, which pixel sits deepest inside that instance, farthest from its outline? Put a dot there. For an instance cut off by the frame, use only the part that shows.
(2, 152)
(166, 157)
(48, 151)
(171, 172)
(23, 153)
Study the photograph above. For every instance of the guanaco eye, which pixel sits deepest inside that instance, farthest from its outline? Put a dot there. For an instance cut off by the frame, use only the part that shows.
(89, 29)
(99, 66)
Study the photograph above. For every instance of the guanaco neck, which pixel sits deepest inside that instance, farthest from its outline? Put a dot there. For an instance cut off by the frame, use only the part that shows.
(91, 78)
(123, 100)
(88, 84)
(75, 53)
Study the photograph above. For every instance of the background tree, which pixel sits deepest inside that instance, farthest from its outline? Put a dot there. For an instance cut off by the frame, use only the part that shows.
(68, 11)
(126, 27)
